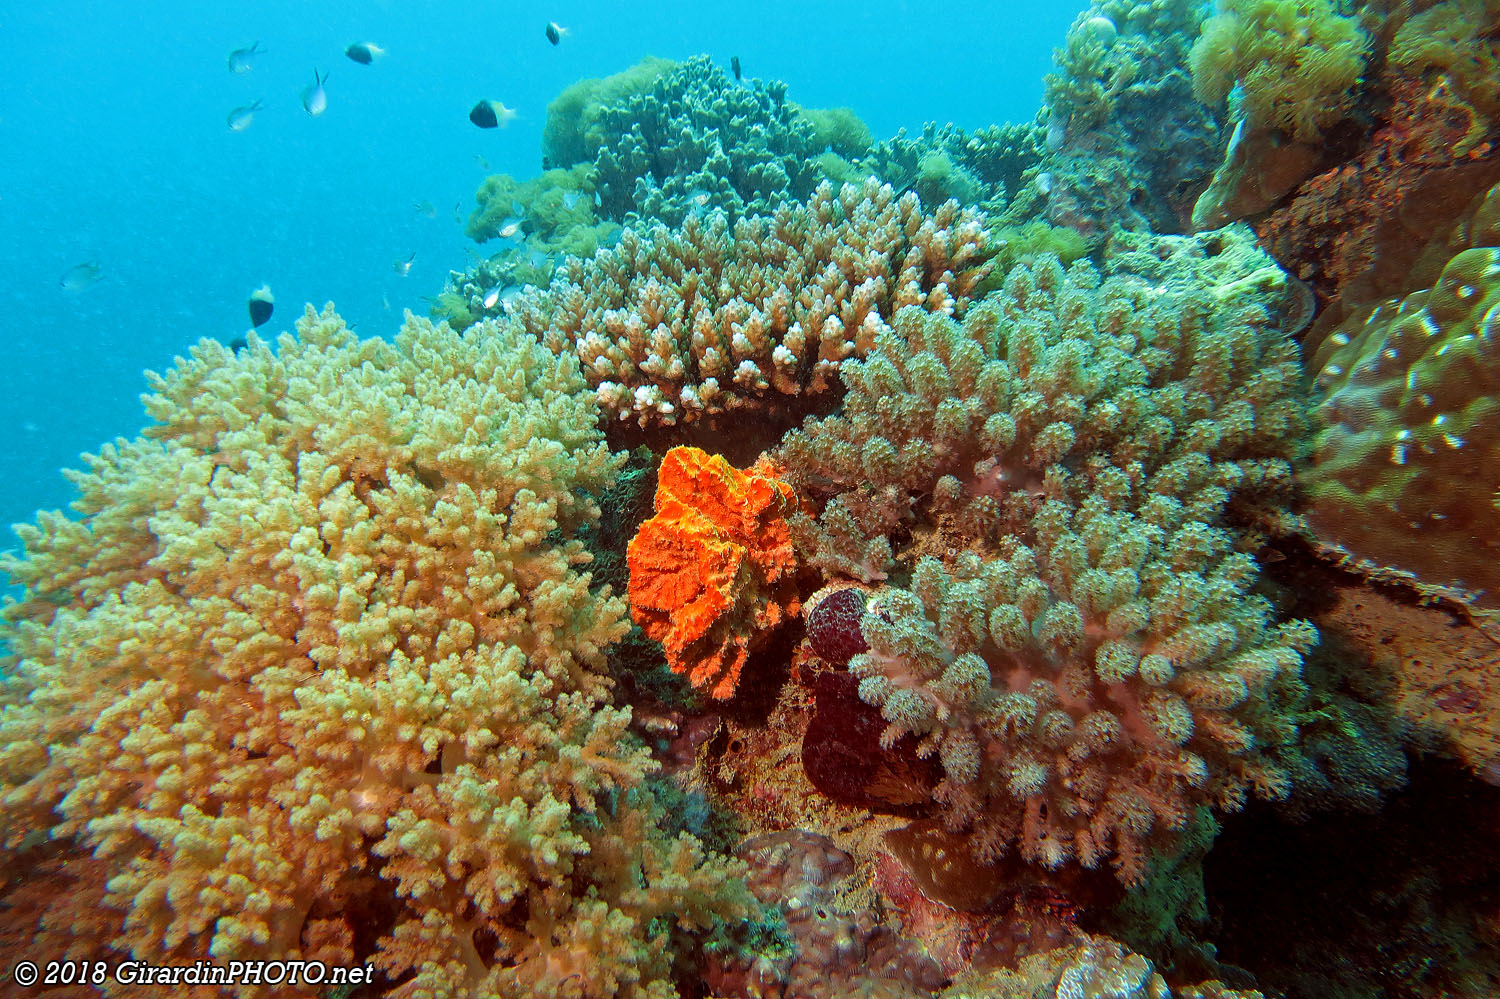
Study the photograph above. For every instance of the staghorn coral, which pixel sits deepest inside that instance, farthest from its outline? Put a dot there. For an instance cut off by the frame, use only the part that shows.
(672, 327)
(1076, 640)
(315, 676)
(712, 572)
(1404, 472)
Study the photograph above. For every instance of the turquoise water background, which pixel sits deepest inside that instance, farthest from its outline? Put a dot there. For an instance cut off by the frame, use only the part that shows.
(114, 148)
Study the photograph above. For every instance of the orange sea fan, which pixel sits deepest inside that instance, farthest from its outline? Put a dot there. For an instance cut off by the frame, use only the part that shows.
(712, 572)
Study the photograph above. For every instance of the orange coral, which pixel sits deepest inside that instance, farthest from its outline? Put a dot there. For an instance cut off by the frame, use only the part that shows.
(712, 571)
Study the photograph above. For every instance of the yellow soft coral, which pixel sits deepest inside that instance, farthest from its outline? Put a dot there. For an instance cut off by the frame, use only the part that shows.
(1297, 62)
(316, 668)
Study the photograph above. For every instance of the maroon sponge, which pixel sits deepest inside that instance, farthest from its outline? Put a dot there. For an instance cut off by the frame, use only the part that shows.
(833, 625)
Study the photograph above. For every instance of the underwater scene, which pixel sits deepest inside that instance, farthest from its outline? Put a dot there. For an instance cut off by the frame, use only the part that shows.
(767, 501)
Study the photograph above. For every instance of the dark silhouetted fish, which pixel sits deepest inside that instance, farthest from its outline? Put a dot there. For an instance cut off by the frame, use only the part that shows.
(262, 303)
(491, 114)
(556, 32)
(734, 64)
(364, 53)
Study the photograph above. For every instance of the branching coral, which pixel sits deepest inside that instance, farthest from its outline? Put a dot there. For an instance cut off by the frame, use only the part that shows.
(712, 573)
(1058, 385)
(1077, 641)
(1404, 475)
(673, 326)
(315, 677)
(696, 141)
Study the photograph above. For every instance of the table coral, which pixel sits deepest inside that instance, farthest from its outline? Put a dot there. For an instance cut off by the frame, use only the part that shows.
(713, 572)
(674, 326)
(1073, 633)
(1403, 476)
(316, 677)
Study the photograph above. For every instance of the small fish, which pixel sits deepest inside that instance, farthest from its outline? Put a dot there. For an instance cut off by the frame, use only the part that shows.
(483, 161)
(403, 267)
(241, 60)
(385, 302)
(364, 53)
(539, 259)
(241, 117)
(556, 32)
(569, 199)
(734, 64)
(238, 344)
(491, 297)
(699, 199)
(262, 303)
(509, 229)
(491, 114)
(315, 98)
(424, 208)
(81, 276)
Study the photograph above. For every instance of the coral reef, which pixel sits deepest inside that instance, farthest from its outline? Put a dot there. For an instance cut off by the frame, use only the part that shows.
(942, 163)
(553, 211)
(1094, 966)
(676, 326)
(1296, 62)
(712, 573)
(1294, 67)
(574, 132)
(1399, 903)
(1410, 409)
(1073, 635)
(1360, 230)
(1453, 42)
(834, 947)
(691, 142)
(317, 676)
(1126, 144)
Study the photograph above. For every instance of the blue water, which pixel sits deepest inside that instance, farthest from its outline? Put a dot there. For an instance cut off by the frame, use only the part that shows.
(114, 147)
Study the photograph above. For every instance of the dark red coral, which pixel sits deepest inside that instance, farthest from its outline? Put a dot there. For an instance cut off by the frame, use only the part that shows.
(842, 757)
(833, 624)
